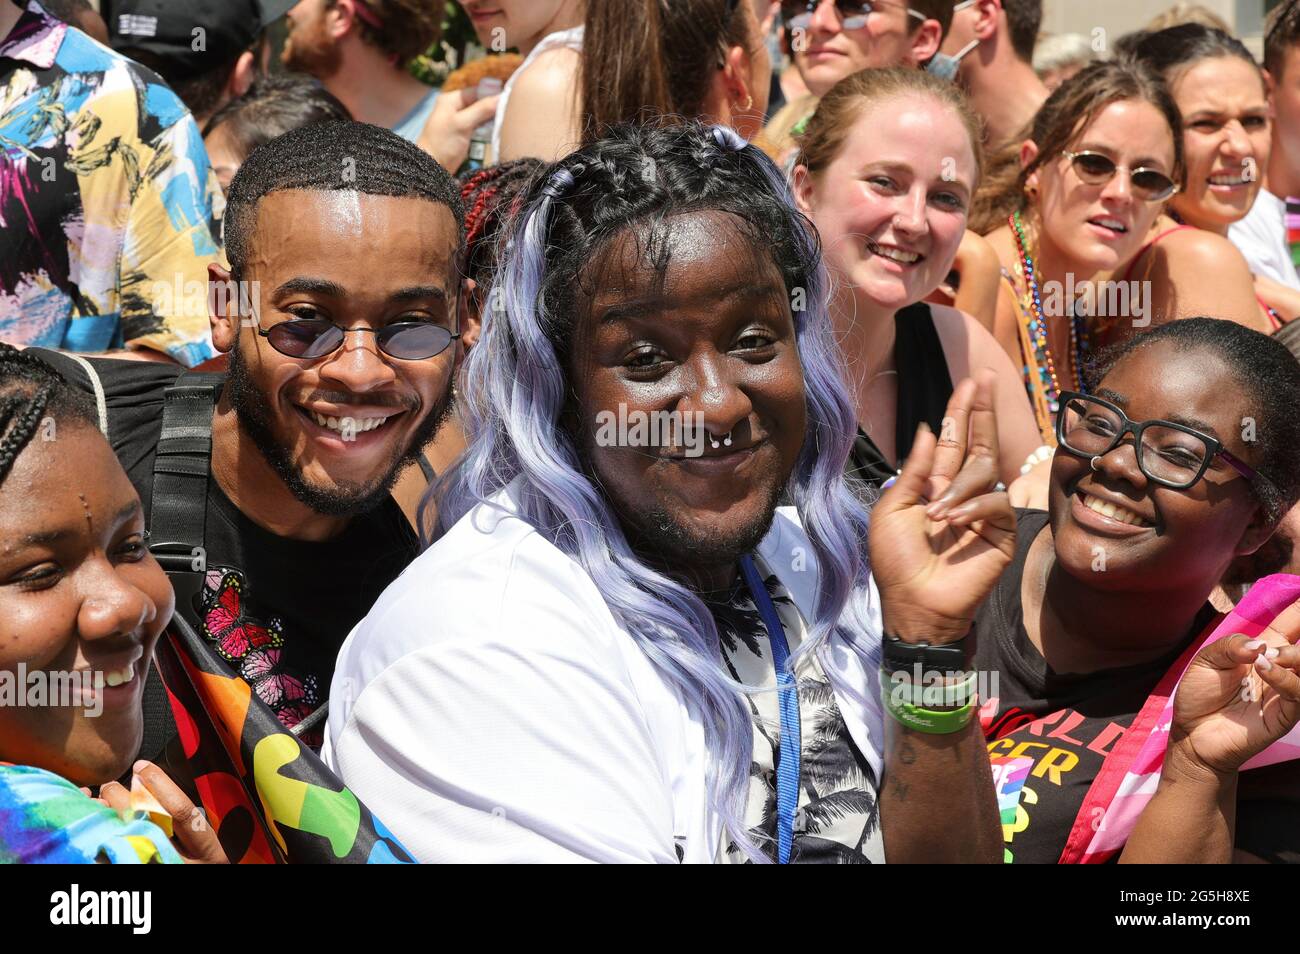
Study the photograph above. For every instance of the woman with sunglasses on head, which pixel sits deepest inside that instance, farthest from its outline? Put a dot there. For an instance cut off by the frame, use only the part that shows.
(83, 603)
(1153, 493)
(1189, 262)
(887, 167)
(1103, 154)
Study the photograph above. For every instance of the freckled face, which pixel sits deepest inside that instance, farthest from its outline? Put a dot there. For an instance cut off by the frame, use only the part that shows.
(901, 184)
(1099, 227)
(712, 340)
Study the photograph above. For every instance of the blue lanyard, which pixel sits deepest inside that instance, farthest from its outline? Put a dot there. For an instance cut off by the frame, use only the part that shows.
(787, 759)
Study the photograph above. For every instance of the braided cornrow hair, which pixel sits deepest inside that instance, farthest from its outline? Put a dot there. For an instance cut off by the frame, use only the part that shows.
(489, 197)
(30, 391)
(633, 175)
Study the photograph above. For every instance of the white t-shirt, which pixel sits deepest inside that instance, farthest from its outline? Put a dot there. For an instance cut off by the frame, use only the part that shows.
(490, 708)
(1261, 237)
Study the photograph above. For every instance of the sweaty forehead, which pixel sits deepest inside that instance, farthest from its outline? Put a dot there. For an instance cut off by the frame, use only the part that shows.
(1163, 381)
(686, 257)
(344, 234)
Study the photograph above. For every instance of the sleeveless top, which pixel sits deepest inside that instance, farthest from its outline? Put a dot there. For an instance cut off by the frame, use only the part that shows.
(571, 38)
(1269, 313)
(924, 388)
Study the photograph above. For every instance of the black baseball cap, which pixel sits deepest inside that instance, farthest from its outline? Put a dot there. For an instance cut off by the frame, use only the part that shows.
(167, 30)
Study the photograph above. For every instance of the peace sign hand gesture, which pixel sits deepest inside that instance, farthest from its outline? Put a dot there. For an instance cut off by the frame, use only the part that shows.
(935, 562)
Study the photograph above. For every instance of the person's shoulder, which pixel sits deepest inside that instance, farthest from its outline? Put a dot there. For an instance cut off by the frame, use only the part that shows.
(1195, 250)
(125, 92)
(554, 71)
(490, 578)
(979, 251)
(113, 375)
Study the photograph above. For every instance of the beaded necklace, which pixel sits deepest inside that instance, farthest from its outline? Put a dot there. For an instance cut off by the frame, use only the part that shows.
(1036, 325)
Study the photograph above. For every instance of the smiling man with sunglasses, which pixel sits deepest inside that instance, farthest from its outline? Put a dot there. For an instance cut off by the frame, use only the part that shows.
(270, 505)
(832, 39)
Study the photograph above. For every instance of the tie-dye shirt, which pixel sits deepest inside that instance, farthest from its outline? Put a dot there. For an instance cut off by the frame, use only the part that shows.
(45, 819)
(107, 200)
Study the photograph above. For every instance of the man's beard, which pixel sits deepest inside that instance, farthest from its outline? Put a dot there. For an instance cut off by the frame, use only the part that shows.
(253, 410)
(672, 546)
(664, 539)
(320, 61)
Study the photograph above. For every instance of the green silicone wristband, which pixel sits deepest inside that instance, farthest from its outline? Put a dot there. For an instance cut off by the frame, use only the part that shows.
(929, 721)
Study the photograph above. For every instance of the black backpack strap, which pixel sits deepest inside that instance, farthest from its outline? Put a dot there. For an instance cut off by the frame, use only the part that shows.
(178, 520)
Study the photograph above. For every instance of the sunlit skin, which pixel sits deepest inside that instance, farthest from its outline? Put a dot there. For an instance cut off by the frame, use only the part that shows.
(79, 591)
(1071, 236)
(1103, 568)
(825, 52)
(223, 155)
(1284, 160)
(904, 181)
(308, 46)
(716, 338)
(517, 23)
(314, 254)
(1227, 137)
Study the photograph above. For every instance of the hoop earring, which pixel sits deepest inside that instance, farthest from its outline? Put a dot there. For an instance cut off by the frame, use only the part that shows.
(749, 102)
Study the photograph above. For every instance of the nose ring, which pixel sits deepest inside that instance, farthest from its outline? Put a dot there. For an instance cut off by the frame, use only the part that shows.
(726, 440)
(1096, 463)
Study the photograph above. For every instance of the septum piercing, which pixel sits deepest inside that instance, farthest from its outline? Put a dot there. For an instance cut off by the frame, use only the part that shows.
(726, 440)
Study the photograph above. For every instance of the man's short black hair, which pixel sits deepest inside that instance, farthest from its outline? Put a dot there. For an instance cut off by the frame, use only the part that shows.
(333, 157)
(1024, 17)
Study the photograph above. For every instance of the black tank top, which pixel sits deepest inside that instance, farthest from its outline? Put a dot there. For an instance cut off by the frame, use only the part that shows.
(924, 388)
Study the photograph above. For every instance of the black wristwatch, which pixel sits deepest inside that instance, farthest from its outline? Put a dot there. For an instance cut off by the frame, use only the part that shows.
(946, 659)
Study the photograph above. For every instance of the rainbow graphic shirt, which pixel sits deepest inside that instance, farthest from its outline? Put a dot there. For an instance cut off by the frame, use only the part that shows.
(45, 819)
(107, 200)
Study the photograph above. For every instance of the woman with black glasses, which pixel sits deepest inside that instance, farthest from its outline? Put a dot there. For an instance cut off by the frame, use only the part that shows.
(1184, 456)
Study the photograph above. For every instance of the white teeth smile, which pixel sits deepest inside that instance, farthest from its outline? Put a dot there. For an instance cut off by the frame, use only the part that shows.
(120, 677)
(1228, 180)
(1113, 224)
(1108, 509)
(346, 425)
(898, 255)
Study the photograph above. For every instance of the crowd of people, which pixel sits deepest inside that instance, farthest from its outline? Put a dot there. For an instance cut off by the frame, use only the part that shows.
(698, 430)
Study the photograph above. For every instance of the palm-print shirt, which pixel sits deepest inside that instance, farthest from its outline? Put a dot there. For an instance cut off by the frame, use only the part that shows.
(837, 821)
(107, 200)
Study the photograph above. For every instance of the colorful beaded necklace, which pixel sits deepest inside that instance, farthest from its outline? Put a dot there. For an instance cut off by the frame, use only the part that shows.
(1036, 324)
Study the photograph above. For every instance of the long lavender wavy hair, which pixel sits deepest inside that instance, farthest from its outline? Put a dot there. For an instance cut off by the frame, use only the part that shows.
(517, 388)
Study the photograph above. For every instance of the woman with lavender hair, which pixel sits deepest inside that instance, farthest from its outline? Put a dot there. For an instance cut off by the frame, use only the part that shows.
(620, 648)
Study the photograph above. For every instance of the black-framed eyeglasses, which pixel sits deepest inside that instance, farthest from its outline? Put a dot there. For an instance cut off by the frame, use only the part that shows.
(1095, 168)
(312, 338)
(1172, 455)
(798, 14)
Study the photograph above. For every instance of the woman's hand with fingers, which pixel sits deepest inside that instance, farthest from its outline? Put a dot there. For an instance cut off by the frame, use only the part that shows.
(943, 534)
(195, 840)
(1239, 696)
